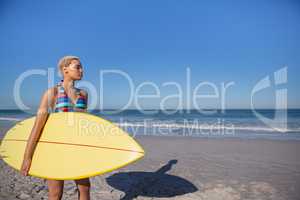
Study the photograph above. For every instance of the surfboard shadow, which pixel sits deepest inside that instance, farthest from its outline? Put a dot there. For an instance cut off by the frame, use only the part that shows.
(151, 184)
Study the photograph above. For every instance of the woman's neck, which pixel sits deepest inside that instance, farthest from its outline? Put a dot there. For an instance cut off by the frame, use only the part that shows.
(68, 83)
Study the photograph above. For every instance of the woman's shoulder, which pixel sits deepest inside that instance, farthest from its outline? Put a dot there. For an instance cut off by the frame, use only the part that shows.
(52, 91)
(82, 92)
(49, 94)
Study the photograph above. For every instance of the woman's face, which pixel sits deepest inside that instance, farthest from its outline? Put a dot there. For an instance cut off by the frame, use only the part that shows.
(74, 71)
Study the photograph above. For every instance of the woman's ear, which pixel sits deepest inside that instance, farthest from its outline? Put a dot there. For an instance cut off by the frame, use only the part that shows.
(65, 70)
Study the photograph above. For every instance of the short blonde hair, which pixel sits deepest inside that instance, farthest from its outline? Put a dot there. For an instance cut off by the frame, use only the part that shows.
(65, 62)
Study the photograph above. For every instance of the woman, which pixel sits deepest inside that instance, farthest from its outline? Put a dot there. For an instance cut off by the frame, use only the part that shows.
(64, 97)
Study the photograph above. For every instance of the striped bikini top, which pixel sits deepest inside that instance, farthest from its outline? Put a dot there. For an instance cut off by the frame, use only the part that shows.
(65, 104)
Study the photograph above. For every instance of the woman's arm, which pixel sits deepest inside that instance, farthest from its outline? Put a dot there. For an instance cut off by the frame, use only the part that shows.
(85, 94)
(86, 97)
(41, 118)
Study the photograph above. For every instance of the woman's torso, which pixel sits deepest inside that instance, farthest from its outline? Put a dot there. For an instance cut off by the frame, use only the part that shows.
(63, 103)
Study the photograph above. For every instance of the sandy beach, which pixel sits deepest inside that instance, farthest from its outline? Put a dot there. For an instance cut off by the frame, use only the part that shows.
(209, 89)
(186, 168)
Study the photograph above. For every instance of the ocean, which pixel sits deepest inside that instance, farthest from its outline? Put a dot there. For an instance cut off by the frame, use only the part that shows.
(231, 123)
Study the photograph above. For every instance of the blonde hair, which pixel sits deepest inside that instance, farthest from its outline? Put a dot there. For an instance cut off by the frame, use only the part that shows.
(65, 62)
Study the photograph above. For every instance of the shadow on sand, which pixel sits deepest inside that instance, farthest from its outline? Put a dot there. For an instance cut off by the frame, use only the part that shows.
(151, 184)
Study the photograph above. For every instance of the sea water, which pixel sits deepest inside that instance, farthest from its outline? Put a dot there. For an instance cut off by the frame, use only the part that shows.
(231, 123)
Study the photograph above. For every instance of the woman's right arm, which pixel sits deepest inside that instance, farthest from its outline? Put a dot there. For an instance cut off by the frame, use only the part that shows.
(41, 118)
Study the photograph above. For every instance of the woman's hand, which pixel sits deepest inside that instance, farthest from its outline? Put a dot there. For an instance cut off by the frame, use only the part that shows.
(25, 166)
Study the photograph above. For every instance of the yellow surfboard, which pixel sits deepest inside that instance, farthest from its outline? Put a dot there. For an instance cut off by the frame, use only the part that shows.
(73, 145)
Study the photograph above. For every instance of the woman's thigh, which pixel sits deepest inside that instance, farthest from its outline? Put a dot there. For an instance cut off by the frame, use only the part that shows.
(83, 185)
(55, 187)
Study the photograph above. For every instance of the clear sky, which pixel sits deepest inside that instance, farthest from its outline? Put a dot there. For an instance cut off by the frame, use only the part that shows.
(154, 41)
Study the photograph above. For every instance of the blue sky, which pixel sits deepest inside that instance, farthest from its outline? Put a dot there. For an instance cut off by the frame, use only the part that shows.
(155, 41)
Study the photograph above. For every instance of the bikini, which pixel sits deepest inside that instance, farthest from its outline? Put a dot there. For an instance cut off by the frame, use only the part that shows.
(65, 104)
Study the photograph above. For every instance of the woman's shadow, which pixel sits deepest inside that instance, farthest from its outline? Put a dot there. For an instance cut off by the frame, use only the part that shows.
(151, 184)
